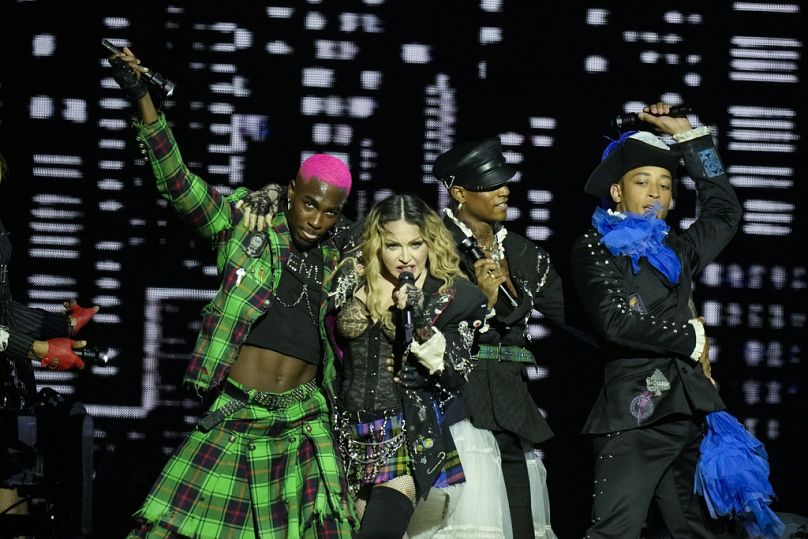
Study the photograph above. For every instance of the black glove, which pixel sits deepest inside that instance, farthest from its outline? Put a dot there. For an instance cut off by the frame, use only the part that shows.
(410, 378)
(264, 202)
(133, 86)
(451, 379)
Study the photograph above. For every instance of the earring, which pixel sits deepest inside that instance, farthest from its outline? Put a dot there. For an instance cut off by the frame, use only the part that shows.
(288, 204)
(459, 206)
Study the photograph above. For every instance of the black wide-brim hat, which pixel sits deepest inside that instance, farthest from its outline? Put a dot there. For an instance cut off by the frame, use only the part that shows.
(640, 149)
(476, 166)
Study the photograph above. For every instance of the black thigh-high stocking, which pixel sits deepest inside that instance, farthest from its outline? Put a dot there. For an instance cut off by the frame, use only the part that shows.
(386, 516)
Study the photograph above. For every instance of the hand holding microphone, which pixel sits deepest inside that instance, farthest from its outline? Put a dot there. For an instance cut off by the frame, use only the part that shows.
(60, 354)
(634, 120)
(485, 272)
(404, 301)
(132, 77)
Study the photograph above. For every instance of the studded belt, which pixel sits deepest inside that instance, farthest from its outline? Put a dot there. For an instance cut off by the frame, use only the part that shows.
(498, 352)
(241, 398)
(272, 401)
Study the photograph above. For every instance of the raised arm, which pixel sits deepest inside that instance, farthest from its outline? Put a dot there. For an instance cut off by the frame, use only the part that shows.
(718, 207)
(198, 203)
(719, 212)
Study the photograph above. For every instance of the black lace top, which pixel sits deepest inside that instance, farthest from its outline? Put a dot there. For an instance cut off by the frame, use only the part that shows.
(366, 383)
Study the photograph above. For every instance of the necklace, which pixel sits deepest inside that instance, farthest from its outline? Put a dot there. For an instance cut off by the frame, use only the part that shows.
(308, 274)
(496, 250)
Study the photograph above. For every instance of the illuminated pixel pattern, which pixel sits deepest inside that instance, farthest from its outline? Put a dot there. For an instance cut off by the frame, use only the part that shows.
(387, 87)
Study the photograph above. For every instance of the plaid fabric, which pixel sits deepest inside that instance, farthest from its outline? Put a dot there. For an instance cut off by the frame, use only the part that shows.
(368, 467)
(259, 473)
(451, 471)
(365, 468)
(239, 301)
(515, 354)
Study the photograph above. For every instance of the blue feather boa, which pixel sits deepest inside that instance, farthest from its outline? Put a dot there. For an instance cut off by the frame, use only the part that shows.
(638, 236)
(733, 477)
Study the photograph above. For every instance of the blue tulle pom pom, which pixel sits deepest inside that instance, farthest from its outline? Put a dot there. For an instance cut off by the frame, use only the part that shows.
(638, 236)
(733, 477)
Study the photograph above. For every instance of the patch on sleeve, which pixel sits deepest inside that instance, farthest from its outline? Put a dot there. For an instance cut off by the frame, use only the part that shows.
(635, 303)
(711, 163)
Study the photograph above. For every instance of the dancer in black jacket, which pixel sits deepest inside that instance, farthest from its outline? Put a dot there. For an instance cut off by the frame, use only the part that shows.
(635, 279)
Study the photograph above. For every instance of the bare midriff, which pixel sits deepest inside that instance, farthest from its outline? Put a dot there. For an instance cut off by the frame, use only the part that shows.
(267, 370)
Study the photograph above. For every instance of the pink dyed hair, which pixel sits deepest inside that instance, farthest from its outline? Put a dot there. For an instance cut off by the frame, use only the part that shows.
(328, 169)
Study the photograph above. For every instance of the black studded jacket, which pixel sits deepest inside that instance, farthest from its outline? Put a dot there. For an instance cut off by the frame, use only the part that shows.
(642, 319)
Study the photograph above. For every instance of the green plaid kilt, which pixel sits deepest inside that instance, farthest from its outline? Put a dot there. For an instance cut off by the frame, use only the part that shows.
(258, 473)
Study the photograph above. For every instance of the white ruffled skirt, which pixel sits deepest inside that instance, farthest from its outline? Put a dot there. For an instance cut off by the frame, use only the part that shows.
(478, 508)
(539, 500)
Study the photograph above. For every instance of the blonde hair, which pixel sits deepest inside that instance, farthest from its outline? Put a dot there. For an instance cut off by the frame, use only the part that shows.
(443, 263)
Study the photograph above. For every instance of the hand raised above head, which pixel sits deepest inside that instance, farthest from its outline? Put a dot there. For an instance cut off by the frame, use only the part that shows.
(127, 72)
(656, 114)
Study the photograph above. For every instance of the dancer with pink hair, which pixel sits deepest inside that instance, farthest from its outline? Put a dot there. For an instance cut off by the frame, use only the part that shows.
(262, 461)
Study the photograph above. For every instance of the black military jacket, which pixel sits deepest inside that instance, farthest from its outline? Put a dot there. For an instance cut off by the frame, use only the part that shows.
(496, 394)
(642, 318)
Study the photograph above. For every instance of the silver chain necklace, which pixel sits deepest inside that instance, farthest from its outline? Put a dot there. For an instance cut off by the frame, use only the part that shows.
(299, 265)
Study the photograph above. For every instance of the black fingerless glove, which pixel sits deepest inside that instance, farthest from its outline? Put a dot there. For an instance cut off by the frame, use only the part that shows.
(264, 201)
(133, 86)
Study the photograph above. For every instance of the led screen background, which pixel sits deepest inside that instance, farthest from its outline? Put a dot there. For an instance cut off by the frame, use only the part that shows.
(388, 86)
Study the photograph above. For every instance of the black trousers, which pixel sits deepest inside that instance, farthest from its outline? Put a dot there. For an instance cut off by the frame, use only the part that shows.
(517, 483)
(635, 467)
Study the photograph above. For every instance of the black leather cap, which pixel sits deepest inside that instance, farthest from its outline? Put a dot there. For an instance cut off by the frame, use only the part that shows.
(627, 155)
(476, 166)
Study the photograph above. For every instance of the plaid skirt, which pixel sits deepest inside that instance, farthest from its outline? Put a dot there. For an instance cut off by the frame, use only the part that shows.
(375, 452)
(258, 473)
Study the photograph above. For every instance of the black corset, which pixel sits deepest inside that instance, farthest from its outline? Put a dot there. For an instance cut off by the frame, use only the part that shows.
(366, 383)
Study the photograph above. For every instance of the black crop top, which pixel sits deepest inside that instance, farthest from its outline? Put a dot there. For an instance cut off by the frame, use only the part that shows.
(291, 324)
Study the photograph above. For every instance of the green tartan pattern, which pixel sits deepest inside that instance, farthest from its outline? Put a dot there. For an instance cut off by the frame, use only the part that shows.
(515, 354)
(247, 283)
(198, 203)
(259, 473)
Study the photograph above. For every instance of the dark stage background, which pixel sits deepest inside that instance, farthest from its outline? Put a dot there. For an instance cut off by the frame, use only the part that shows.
(388, 86)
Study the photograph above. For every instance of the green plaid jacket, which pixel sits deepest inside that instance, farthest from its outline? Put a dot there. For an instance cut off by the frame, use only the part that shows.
(238, 303)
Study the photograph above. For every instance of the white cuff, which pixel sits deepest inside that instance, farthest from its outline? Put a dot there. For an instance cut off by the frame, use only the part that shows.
(4, 335)
(701, 339)
(696, 132)
(492, 312)
(430, 352)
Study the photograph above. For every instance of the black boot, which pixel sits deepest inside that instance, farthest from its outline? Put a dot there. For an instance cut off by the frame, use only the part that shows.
(387, 515)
